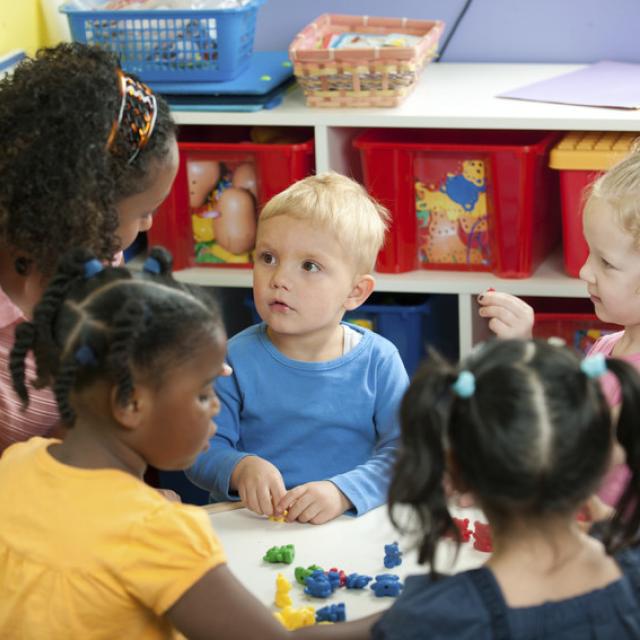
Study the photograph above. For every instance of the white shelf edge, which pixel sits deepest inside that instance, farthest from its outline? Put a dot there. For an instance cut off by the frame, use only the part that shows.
(448, 95)
(548, 280)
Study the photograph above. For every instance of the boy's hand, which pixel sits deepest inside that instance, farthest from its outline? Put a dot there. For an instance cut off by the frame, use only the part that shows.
(314, 502)
(509, 317)
(258, 483)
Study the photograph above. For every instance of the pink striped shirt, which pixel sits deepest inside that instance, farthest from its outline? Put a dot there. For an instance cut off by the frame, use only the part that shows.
(616, 479)
(42, 414)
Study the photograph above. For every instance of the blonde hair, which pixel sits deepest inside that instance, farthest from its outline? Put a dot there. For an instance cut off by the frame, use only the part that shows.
(619, 187)
(337, 204)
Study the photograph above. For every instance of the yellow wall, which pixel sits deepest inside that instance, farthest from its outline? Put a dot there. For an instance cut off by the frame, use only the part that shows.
(21, 25)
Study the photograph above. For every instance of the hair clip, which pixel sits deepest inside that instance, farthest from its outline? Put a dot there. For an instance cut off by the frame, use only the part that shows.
(465, 385)
(137, 115)
(594, 366)
(92, 267)
(84, 356)
(152, 265)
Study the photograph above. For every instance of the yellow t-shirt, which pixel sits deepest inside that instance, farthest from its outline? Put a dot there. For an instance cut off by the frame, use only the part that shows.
(92, 553)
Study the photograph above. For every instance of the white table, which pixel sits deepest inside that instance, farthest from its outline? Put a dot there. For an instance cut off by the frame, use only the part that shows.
(351, 544)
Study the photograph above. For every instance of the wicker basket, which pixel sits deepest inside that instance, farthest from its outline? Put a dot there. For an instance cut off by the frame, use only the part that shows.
(361, 77)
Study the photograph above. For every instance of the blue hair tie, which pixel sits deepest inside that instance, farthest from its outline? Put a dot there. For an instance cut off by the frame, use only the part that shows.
(151, 265)
(465, 385)
(84, 356)
(91, 267)
(594, 366)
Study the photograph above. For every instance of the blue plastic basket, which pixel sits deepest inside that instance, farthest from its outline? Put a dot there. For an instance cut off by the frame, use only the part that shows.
(170, 45)
(404, 325)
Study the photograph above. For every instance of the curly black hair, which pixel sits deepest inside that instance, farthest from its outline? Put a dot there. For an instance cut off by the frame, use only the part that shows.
(60, 184)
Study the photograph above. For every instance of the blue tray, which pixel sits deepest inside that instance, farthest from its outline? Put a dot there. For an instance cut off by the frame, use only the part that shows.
(230, 102)
(267, 70)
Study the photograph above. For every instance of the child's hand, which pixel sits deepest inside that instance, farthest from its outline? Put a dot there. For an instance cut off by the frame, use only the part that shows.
(170, 495)
(258, 483)
(314, 502)
(509, 317)
(463, 500)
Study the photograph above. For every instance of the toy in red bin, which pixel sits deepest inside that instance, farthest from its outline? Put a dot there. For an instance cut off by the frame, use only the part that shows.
(223, 210)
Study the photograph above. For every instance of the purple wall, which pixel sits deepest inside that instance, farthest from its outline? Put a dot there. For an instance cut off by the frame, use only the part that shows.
(491, 31)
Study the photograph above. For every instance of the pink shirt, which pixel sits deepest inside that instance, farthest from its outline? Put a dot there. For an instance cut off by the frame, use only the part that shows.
(42, 414)
(616, 479)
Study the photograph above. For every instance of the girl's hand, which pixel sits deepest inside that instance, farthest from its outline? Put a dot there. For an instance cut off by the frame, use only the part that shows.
(170, 495)
(206, 609)
(509, 317)
(259, 484)
(314, 502)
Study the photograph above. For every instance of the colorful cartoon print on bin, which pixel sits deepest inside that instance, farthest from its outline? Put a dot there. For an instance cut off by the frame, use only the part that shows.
(222, 198)
(244, 177)
(451, 208)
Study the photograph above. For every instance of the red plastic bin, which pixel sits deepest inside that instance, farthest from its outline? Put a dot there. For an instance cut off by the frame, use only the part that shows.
(581, 157)
(571, 321)
(225, 177)
(464, 200)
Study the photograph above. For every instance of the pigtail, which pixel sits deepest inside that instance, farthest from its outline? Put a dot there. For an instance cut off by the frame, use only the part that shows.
(47, 351)
(128, 323)
(624, 529)
(63, 384)
(420, 466)
(24, 340)
(159, 262)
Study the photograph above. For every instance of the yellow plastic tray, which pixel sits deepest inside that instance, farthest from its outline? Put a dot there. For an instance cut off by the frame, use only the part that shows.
(591, 150)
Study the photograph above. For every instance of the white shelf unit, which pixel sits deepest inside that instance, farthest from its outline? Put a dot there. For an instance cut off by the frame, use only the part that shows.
(448, 96)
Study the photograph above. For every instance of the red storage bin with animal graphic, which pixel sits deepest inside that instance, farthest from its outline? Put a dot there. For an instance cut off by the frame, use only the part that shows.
(581, 157)
(225, 176)
(463, 200)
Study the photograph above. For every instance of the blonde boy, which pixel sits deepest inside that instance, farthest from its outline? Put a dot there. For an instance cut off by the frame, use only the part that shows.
(309, 416)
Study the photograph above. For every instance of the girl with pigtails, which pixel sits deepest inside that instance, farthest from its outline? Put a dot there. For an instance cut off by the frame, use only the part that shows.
(87, 550)
(525, 428)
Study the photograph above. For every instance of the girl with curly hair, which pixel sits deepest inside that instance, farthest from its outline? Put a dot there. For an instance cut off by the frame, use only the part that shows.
(89, 153)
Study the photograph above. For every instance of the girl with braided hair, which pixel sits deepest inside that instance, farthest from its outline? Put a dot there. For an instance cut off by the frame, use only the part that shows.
(88, 155)
(87, 550)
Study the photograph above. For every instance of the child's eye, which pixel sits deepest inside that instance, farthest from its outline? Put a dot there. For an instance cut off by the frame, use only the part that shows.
(309, 266)
(606, 264)
(207, 395)
(267, 258)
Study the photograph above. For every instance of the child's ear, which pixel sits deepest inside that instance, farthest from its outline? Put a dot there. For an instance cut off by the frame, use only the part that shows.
(131, 414)
(360, 292)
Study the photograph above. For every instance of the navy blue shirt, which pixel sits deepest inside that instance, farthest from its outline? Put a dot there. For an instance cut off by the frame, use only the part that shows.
(452, 607)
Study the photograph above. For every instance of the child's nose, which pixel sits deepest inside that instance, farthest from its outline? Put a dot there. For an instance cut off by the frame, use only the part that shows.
(586, 273)
(214, 407)
(280, 279)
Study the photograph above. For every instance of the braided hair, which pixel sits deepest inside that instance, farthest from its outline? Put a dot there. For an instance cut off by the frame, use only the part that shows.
(104, 323)
(533, 438)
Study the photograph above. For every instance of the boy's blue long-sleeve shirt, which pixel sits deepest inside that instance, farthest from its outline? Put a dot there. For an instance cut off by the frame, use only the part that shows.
(335, 420)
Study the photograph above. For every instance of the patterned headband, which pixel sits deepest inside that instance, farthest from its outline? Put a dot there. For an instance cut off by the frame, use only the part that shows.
(137, 115)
